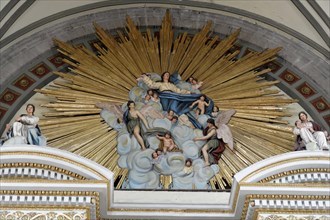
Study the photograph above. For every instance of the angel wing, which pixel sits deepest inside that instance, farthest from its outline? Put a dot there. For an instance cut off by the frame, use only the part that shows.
(111, 107)
(223, 131)
(112, 114)
(224, 117)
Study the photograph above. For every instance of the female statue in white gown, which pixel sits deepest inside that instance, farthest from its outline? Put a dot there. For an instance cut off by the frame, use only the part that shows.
(309, 133)
(25, 129)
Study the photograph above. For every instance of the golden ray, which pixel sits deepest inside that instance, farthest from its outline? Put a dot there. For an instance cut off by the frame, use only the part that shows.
(73, 122)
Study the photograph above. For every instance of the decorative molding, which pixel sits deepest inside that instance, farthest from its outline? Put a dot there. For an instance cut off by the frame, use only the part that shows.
(2, 112)
(37, 170)
(9, 96)
(246, 197)
(40, 70)
(289, 77)
(24, 82)
(321, 173)
(56, 60)
(320, 104)
(306, 90)
(35, 212)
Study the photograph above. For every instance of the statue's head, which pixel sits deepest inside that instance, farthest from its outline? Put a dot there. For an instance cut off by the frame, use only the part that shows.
(168, 134)
(30, 106)
(210, 121)
(202, 97)
(302, 116)
(130, 104)
(166, 76)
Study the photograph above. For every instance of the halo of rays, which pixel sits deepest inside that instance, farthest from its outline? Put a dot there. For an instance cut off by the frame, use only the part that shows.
(73, 122)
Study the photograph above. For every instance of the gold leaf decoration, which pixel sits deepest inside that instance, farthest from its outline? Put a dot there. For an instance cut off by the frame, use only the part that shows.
(73, 122)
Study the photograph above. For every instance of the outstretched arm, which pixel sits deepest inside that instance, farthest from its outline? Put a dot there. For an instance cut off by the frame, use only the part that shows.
(143, 119)
(151, 84)
(159, 137)
(193, 104)
(207, 104)
(210, 134)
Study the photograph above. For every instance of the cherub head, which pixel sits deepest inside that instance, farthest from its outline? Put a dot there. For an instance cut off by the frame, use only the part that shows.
(174, 120)
(202, 97)
(188, 162)
(159, 151)
(297, 123)
(215, 109)
(190, 79)
(154, 155)
(155, 95)
(168, 135)
(147, 97)
(150, 92)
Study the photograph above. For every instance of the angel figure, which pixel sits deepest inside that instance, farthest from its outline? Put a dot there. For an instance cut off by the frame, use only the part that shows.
(132, 118)
(167, 142)
(217, 133)
(223, 131)
(114, 116)
(201, 103)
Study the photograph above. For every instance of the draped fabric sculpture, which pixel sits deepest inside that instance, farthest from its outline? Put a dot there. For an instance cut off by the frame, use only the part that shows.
(110, 76)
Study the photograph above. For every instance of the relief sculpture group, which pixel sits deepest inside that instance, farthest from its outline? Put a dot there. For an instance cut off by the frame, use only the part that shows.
(168, 128)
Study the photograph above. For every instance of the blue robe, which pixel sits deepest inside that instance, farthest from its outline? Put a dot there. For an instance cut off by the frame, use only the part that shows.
(180, 103)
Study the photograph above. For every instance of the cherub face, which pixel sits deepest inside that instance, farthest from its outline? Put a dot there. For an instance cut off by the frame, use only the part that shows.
(298, 122)
(202, 98)
(147, 97)
(150, 92)
(154, 155)
(191, 79)
(171, 113)
(215, 109)
(194, 82)
(167, 136)
(155, 95)
(188, 164)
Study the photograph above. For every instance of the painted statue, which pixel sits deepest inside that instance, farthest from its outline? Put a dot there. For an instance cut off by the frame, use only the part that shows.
(165, 127)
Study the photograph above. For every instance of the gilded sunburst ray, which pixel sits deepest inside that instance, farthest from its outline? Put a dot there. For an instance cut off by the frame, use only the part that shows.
(73, 122)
